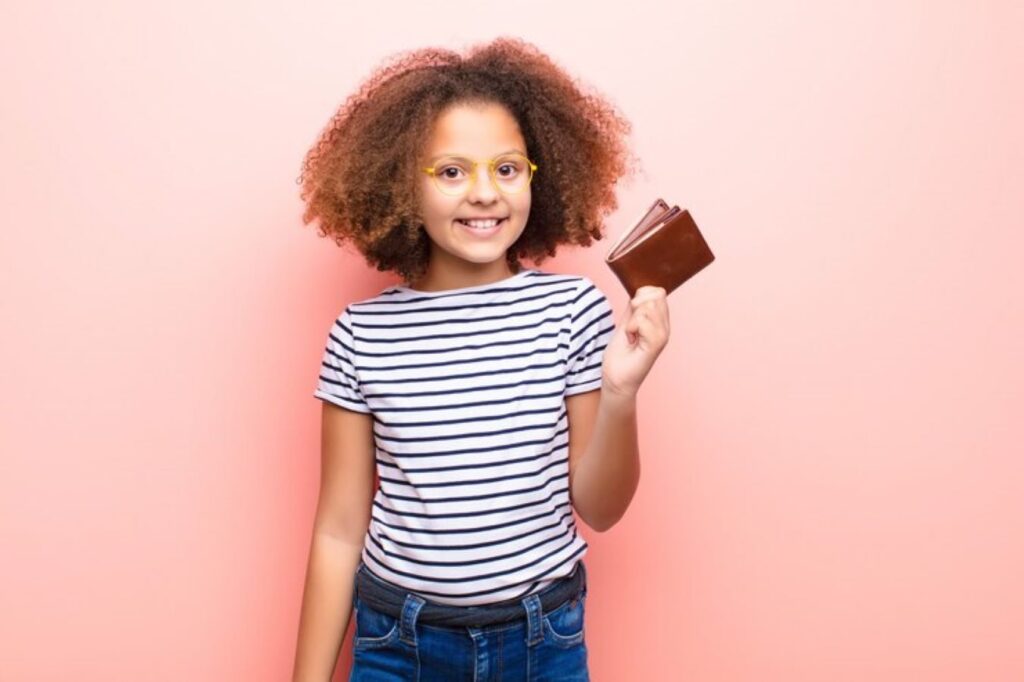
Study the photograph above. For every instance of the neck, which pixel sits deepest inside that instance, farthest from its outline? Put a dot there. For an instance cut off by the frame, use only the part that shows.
(453, 277)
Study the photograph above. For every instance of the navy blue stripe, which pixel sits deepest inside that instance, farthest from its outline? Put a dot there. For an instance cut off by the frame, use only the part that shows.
(471, 562)
(556, 380)
(470, 434)
(451, 391)
(503, 303)
(479, 545)
(477, 529)
(576, 372)
(487, 418)
(351, 380)
(341, 343)
(452, 377)
(533, 279)
(467, 498)
(486, 560)
(458, 406)
(476, 481)
(475, 346)
(479, 593)
(477, 465)
(458, 515)
(463, 334)
(594, 321)
(596, 349)
(496, 448)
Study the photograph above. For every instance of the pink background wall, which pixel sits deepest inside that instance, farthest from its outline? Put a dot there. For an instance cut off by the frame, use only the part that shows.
(832, 474)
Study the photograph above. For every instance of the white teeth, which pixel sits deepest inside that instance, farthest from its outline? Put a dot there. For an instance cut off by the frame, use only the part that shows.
(480, 224)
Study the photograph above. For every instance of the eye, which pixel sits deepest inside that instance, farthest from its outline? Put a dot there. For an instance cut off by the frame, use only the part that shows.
(512, 166)
(445, 172)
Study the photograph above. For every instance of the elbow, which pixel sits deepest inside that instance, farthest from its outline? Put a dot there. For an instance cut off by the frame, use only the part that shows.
(605, 519)
(593, 521)
(602, 525)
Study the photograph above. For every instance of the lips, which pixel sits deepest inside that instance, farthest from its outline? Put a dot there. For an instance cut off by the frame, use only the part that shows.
(481, 231)
(464, 221)
(490, 217)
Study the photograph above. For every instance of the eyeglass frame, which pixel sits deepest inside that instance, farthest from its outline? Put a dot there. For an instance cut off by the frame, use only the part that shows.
(432, 172)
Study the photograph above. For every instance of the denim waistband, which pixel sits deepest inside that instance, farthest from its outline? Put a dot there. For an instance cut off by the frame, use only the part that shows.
(388, 598)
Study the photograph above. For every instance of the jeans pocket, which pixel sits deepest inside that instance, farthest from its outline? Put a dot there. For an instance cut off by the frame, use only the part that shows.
(565, 626)
(374, 628)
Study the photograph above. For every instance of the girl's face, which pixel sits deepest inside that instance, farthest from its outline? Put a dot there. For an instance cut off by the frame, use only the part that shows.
(460, 253)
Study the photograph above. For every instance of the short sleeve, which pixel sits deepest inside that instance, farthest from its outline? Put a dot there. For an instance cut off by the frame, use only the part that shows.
(339, 383)
(592, 325)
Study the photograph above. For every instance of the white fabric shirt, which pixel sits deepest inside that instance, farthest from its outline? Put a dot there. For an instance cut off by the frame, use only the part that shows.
(467, 390)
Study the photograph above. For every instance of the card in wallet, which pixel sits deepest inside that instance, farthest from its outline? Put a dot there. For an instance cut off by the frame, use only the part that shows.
(662, 249)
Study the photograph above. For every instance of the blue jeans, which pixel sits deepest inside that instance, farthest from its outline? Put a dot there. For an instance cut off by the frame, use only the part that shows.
(539, 646)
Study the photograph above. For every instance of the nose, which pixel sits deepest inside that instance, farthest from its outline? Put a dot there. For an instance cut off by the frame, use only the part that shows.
(483, 190)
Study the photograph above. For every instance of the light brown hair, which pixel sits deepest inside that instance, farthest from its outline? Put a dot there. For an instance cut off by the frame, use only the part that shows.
(359, 180)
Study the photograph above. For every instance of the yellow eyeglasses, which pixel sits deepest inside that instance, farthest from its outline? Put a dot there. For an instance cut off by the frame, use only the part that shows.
(455, 175)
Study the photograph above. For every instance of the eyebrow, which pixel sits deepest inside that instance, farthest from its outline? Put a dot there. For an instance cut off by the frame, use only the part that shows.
(463, 156)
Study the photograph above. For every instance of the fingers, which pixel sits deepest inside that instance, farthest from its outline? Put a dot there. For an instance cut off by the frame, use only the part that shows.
(653, 301)
(647, 293)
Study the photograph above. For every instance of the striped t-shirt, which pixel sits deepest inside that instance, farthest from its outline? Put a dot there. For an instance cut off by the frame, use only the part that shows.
(466, 387)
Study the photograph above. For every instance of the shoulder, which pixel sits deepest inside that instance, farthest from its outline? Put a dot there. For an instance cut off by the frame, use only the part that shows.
(385, 294)
(589, 293)
(579, 283)
(354, 308)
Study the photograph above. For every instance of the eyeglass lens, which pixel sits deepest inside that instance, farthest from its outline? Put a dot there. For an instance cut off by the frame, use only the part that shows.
(511, 173)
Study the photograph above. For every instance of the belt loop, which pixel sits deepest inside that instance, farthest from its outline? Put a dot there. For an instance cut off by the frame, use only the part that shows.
(534, 622)
(410, 612)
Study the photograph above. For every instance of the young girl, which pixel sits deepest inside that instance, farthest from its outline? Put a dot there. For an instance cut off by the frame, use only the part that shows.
(492, 400)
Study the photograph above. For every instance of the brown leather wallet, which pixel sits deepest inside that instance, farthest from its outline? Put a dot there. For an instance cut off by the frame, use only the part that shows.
(664, 248)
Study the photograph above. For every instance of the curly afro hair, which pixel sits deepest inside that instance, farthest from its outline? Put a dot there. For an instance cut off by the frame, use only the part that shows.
(359, 179)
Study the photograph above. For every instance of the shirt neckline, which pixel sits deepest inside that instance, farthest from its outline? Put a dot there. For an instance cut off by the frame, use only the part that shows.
(511, 278)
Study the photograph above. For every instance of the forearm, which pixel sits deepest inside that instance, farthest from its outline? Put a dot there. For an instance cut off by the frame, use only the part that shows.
(326, 606)
(608, 474)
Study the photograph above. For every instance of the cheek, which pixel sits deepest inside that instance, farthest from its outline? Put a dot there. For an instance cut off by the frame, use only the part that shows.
(437, 209)
(524, 205)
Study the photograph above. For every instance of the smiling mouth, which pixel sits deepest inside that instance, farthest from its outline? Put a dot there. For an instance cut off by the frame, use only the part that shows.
(464, 223)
